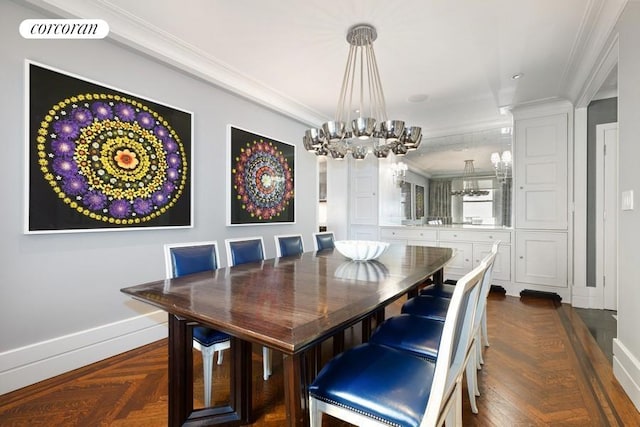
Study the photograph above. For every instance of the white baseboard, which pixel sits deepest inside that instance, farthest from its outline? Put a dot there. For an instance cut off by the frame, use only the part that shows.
(626, 369)
(587, 297)
(28, 365)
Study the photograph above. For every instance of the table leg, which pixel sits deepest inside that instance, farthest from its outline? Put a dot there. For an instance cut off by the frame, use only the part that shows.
(438, 277)
(295, 389)
(338, 342)
(241, 382)
(181, 412)
(180, 371)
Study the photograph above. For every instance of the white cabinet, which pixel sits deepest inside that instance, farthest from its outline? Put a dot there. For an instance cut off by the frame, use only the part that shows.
(542, 161)
(502, 264)
(462, 262)
(540, 166)
(470, 245)
(541, 258)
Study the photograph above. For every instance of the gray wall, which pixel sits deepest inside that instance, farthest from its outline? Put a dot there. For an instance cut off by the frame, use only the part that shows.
(599, 112)
(53, 285)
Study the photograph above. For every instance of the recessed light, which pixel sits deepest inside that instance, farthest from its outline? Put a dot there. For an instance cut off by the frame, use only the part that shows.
(517, 76)
(420, 97)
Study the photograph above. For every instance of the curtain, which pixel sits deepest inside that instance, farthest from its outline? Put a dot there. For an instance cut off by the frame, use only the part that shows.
(440, 200)
(507, 189)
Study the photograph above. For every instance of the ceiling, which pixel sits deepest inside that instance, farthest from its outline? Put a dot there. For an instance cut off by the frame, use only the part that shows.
(291, 54)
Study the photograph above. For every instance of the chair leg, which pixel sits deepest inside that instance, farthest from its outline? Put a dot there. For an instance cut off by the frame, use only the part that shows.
(315, 416)
(485, 335)
(207, 367)
(266, 363)
(472, 385)
(478, 344)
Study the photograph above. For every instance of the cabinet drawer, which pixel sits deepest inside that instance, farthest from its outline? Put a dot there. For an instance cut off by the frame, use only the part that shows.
(475, 236)
(413, 234)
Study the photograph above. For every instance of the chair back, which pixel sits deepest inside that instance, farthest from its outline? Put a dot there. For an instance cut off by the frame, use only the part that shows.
(188, 258)
(323, 240)
(457, 334)
(243, 250)
(485, 286)
(288, 244)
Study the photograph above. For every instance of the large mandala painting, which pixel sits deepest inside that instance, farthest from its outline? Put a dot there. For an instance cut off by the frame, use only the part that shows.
(104, 159)
(261, 179)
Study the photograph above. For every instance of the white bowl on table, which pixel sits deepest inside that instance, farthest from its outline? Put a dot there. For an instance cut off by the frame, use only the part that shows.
(361, 250)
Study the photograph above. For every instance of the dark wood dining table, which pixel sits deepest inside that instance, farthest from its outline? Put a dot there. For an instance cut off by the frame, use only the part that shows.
(288, 304)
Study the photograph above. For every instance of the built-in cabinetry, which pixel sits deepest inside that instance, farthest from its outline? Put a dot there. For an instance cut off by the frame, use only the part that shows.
(471, 246)
(537, 252)
(541, 195)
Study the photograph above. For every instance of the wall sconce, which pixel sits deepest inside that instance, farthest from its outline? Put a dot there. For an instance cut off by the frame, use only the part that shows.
(502, 165)
(399, 172)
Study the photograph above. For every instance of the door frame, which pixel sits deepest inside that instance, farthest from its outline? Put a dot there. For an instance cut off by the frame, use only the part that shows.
(607, 213)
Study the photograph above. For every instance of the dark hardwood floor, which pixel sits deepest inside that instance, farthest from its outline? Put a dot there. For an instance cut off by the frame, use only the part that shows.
(543, 368)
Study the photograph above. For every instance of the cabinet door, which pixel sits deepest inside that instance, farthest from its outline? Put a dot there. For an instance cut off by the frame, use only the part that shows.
(541, 150)
(541, 258)
(462, 261)
(502, 264)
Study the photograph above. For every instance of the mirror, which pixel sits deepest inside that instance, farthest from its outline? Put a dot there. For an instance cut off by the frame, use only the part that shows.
(461, 192)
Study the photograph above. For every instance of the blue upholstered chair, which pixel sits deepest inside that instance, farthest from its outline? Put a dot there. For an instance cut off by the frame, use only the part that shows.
(323, 240)
(288, 244)
(188, 258)
(445, 291)
(419, 328)
(374, 384)
(241, 251)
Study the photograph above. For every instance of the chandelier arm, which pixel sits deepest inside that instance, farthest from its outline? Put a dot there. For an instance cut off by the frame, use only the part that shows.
(373, 110)
(345, 81)
(354, 66)
(361, 82)
(378, 84)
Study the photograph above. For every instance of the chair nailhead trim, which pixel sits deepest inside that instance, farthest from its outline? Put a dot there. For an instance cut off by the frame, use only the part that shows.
(366, 414)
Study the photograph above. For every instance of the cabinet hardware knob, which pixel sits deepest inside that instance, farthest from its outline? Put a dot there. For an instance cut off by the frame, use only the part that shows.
(491, 237)
(521, 257)
(522, 188)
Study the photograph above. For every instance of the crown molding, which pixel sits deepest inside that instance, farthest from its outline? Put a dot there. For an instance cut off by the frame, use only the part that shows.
(468, 127)
(599, 73)
(135, 33)
(601, 17)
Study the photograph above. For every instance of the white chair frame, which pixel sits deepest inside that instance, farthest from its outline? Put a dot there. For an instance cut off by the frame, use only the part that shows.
(445, 401)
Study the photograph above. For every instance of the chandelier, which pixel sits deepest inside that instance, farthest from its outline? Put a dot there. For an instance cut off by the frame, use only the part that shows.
(371, 131)
(502, 165)
(469, 182)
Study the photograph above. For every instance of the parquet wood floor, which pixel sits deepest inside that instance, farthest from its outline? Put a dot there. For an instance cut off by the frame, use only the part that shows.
(543, 369)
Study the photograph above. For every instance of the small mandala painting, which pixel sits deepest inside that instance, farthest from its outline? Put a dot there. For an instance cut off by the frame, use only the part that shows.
(261, 179)
(102, 159)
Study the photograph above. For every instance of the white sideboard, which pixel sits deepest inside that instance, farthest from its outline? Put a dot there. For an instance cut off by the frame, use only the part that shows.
(526, 260)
